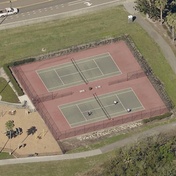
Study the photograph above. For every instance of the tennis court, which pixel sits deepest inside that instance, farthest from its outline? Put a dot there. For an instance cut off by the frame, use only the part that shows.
(101, 107)
(77, 72)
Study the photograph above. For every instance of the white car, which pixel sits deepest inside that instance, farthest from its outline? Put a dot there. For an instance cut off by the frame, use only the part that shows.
(8, 11)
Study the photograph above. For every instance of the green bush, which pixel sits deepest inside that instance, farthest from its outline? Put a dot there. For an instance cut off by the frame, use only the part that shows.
(12, 79)
(10, 75)
(157, 117)
(24, 61)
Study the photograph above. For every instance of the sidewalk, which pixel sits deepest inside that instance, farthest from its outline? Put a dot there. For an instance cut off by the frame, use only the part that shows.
(122, 143)
(165, 48)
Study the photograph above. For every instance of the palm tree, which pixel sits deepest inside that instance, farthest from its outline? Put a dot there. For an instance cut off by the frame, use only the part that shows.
(171, 21)
(161, 4)
(9, 125)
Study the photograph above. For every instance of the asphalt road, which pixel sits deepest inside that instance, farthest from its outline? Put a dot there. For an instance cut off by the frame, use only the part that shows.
(34, 11)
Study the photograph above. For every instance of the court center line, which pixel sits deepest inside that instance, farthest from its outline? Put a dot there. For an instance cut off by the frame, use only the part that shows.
(59, 77)
(114, 62)
(62, 87)
(120, 102)
(77, 72)
(137, 98)
(74, 73)
(81, 80)
(98, 67)
(81, 112)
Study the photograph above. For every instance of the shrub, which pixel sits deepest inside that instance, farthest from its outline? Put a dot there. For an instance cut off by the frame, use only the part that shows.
(157, 117)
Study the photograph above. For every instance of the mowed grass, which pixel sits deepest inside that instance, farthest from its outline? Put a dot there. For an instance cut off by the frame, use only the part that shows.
(4, 155)
(28, 41)
(55, 168)
(6, 92)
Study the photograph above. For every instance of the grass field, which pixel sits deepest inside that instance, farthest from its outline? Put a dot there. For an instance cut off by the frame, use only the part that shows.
(6, 92)
(55, 168)
(4, 155)
(28, 41)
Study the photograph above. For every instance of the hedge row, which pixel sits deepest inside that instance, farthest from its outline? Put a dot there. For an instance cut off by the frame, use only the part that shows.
(9, 73)
(157, 117)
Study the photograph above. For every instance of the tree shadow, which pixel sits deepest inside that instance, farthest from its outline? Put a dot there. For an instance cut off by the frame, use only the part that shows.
(4, 145)
(4, 87)
(134, 18)
(3, 20)
(30, 131)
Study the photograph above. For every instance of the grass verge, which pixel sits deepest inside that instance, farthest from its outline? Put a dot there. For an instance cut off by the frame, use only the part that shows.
(4, 155)
(6, 92)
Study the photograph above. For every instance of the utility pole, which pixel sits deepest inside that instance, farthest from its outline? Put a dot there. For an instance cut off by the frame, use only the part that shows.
(10, 4)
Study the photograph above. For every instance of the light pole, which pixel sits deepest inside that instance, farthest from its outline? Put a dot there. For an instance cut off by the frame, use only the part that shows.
(10, 4)
(10, 153)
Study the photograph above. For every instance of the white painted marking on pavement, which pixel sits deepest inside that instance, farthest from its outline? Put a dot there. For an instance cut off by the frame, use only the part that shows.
(88, 4)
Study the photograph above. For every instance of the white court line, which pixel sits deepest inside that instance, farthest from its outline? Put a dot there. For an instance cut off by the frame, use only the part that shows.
(100, 118)
(70, 74)
(138, 98)
(78, 72)
(107, 75)
(42, 81)
(98, 67)
(65, 117)
(81, 112)
(103, 96)
(60, 88)
(120, 102)
(68, 65)
(86, 59)
(112, 114)
(59, 77)
(114, 62)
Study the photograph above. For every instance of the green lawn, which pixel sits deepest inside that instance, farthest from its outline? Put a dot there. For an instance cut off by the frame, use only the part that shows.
(55, 168)
(4, 155)
(6, 92)
(28, 41)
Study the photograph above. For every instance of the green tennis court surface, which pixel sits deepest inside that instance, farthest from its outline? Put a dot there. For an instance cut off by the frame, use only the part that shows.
(78, 72)
(77, 113)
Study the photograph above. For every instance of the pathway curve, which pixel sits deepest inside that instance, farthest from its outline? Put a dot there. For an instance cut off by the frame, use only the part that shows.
(165, 48)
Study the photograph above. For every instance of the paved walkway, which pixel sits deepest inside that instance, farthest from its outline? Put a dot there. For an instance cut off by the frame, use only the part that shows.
(168, 53)
(165, 48)
(105, 149)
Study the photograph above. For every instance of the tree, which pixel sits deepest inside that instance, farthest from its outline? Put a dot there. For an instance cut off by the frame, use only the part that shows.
(9, 125)
(161, 4)
(171, 21)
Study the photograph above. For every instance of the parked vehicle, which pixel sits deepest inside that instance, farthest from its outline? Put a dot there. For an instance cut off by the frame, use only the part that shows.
(8, 11)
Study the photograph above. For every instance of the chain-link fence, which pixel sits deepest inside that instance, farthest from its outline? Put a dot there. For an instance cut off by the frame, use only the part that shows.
(146, 70)
(113, 122)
